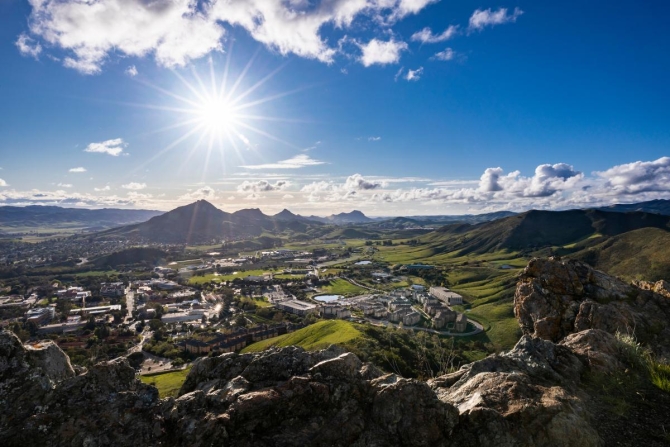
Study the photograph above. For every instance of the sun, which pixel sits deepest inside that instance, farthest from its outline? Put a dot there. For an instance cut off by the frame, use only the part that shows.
(216, 115)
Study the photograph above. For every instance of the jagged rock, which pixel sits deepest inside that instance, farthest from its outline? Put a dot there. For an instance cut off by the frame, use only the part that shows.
(555, 298)
(523, 397)
(661, 287)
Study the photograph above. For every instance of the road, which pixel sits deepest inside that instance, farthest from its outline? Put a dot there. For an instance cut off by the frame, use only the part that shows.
(130, 304)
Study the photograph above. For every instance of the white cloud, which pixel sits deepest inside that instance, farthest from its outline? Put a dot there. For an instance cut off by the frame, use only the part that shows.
(28, 46)
(106, 188)
(287, 196)
(112, 147)
(358, 182)
(131, 71)
(406, 7)
(482, 18)
(332, 192)
(204, 193)
(3, 183)
(374, 138)
(446, 55)
(638, 177)
(262, 186)
(426, 35)
(65, 185)
(297, 162)
(414, 75)
(177, 31)
(79, 169)
(134, 186)
(380, 52)
(174, 32)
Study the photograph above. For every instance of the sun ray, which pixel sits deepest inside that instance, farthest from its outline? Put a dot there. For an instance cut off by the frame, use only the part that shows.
(257, 85)
(240, 78)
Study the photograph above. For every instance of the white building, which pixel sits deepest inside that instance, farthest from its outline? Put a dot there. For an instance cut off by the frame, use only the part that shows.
(446, 296)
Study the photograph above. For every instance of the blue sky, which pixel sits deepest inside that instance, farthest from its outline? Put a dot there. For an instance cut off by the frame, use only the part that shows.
(389, 106)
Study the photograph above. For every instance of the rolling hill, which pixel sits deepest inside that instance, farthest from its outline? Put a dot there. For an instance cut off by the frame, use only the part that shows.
(638, 254)
(535, 230)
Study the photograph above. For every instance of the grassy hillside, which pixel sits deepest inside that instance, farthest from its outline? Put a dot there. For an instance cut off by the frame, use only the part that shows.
(317, 336)
(342, 287)
(168, 383)
(397, 350)
(639, 254)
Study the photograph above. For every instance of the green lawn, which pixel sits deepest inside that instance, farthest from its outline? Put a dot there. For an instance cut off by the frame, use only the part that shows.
(342, 287)
(168, 383)
(195, 280)
(317, 336)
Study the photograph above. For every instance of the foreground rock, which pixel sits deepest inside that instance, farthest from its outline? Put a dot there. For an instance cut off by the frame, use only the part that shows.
(555, 298)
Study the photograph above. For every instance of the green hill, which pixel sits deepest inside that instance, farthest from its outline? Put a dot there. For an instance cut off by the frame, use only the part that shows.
(638, 254)
(535, 230)
(317, 336)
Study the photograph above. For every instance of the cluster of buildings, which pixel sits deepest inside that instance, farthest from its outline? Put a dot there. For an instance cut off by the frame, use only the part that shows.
(401, 306)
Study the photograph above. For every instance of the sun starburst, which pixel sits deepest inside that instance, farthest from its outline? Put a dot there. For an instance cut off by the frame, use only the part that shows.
(217, 113)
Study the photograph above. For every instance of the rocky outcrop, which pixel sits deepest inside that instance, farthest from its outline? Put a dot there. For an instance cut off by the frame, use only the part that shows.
(555, 298)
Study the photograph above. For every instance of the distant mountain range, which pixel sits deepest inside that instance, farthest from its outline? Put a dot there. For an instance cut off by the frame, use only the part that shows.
(354, 217)
(660, 206)
(35, 216)
(202, 222)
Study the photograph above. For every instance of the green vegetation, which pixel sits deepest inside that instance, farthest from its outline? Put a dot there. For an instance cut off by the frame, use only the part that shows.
(317, 336)
(342, 287)
(638, 254)
(168, 383)
(203, 279)
(395, 350)
(660, 375)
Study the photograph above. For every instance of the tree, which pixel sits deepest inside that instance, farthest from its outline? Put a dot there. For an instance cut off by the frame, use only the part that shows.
(241, 321)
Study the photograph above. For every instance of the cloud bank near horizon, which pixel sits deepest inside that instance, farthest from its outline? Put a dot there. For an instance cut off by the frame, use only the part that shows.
(551, 186)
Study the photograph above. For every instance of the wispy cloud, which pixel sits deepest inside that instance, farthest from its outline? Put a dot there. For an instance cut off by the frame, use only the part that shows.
(65, 185)
(446, 55)
(374, 138)
(131, 71)
(79, 169)
(426, 35)
(106, 188)
(113, 147)
(482, 18)
(414, 75)
(28, 46)
(297, 162)
(134, 186)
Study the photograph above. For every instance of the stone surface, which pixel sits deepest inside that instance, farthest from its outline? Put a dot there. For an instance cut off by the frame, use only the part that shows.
(555, 298)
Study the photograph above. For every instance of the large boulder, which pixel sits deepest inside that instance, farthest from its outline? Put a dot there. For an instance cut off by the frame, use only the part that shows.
(555, 298)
